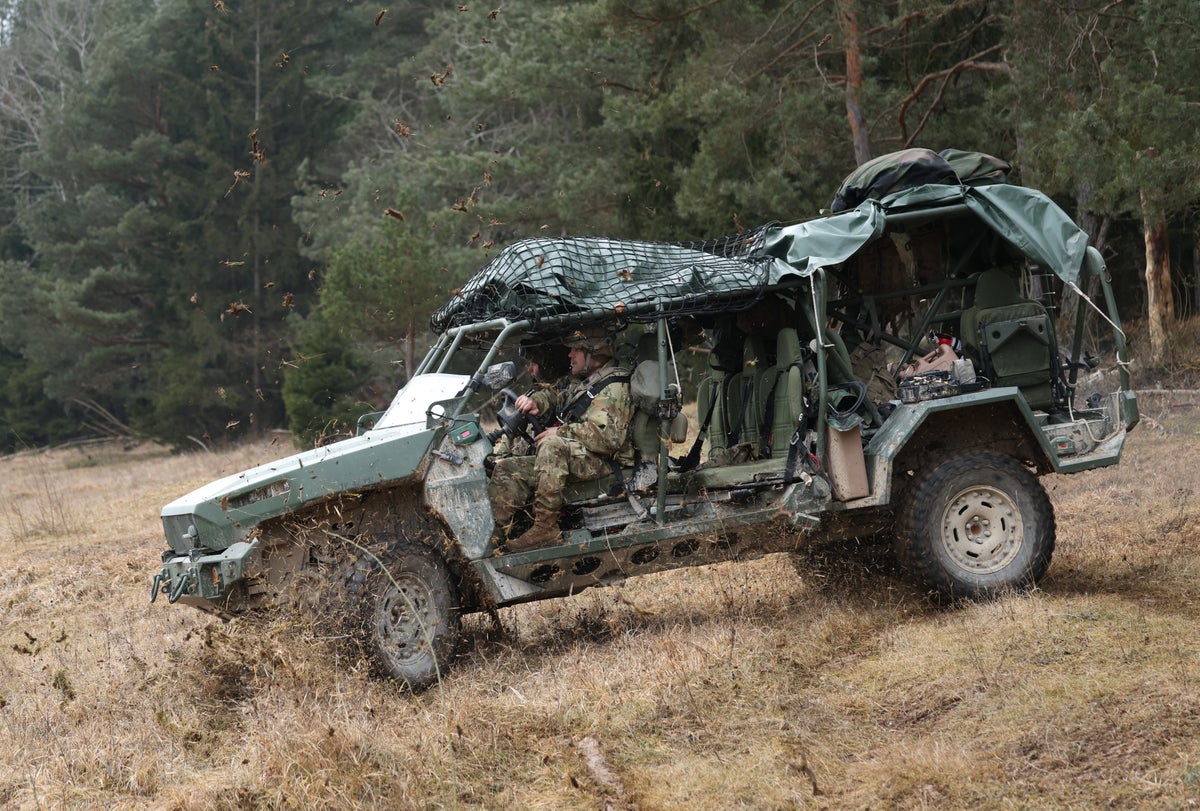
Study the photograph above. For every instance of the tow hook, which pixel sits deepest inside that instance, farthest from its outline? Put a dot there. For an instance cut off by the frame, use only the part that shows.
(180, 586)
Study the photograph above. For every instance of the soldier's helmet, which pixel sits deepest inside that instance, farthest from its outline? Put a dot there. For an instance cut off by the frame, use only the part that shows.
(551, 359)
(596, 340)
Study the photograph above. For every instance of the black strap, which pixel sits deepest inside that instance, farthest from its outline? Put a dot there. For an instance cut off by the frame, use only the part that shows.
(768, 439)
(789, 469)
(736, 433)
(796, 445)
(633, 500)
(574, 410)
(693, 455)
(768, 434)
(796, 453)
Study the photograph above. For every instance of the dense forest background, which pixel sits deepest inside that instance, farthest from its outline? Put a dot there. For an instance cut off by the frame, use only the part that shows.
(223, 216)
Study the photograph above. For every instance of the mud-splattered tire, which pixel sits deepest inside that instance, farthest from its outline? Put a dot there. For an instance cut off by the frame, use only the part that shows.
(410, 615)
(975, 525)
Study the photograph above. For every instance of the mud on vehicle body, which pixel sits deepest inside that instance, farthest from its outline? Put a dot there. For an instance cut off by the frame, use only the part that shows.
(887, 366)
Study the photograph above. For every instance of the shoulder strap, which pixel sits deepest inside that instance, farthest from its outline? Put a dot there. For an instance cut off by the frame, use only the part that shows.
(736, 433)
(574, 410)
(768, 434)
(693, 455)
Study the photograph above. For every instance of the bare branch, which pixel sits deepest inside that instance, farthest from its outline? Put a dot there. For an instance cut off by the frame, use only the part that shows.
(970, 63)
(683, 15)
(804, 18)
(108, 424)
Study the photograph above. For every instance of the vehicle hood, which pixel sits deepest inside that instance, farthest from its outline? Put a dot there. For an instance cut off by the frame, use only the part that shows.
(224, 511)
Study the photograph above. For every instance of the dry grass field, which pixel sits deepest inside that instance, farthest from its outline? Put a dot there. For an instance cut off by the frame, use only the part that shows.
(821, 682)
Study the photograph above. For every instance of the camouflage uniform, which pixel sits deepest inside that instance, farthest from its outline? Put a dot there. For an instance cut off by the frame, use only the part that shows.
(579, 451)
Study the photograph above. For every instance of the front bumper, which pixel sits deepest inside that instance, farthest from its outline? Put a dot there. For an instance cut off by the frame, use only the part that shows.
(201, 577)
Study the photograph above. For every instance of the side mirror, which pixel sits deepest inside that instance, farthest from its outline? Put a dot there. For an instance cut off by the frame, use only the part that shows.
(498, 375)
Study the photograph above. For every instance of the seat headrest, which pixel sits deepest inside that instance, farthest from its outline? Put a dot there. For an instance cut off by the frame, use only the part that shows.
(787, 345)
(995, 288)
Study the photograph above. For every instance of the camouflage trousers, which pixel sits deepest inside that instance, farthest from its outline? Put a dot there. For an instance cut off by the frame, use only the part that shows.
(542, 475)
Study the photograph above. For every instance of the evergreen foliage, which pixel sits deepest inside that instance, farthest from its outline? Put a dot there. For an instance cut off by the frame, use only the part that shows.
(1107, 85)
(321, 385)
(195, 197)
(28, 417)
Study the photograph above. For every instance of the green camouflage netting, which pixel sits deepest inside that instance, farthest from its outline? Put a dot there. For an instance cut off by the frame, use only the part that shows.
(540, 278)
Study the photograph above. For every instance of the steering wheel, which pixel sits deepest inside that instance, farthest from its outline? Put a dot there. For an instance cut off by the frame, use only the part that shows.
(515, 423)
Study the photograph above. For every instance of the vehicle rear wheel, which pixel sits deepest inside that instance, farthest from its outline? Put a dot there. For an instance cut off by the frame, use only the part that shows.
(411, 615)
(976, 525)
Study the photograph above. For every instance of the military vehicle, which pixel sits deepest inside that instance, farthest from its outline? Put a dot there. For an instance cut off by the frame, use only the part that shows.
(902, 366)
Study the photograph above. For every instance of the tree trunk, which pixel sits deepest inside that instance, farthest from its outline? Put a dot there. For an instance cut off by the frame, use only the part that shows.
(1160, 305)
(410, 349)
(256, 293)
(858, 125)
(1195, 309)
(1096, 227)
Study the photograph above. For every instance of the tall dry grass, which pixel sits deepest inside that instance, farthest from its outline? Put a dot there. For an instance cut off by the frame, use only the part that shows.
(826, 681)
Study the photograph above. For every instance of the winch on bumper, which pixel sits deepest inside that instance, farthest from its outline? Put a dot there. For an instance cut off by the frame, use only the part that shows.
(202, 578)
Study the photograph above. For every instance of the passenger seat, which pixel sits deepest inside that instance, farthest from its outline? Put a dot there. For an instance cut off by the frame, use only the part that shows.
(1013, 338)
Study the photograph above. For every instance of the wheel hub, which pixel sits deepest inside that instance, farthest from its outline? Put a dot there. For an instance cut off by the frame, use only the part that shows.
(405, 618)
(982, 530)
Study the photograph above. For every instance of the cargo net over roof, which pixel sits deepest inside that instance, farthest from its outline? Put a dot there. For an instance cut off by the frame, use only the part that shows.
(539, 278)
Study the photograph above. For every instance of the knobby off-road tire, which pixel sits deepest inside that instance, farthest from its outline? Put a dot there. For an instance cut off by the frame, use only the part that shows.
(975, 525)
(410, 615)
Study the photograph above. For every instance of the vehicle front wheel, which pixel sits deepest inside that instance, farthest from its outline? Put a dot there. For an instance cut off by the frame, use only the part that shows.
(411, 615)
(976, 525)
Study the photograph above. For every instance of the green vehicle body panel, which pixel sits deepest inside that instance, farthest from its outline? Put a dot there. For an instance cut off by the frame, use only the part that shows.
(903, 424)
(225, 511)
(456, 492)
(700, 536)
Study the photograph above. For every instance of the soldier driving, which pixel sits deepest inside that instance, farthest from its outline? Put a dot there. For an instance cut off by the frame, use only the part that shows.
(549, 370)
(585, 427)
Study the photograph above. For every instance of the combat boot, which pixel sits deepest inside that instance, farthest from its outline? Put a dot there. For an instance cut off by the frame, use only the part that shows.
(502, 516)
(544, 532)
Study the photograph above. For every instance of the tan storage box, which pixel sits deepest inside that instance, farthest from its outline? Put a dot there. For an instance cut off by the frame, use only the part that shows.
(846, 466)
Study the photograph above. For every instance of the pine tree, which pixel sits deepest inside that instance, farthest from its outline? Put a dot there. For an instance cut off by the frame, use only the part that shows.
(1107, 106)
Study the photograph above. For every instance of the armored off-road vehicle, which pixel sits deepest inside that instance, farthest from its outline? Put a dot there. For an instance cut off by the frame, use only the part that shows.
(905, 365)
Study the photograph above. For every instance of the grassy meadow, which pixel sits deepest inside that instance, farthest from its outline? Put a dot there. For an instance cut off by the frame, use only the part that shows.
(819, 681)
